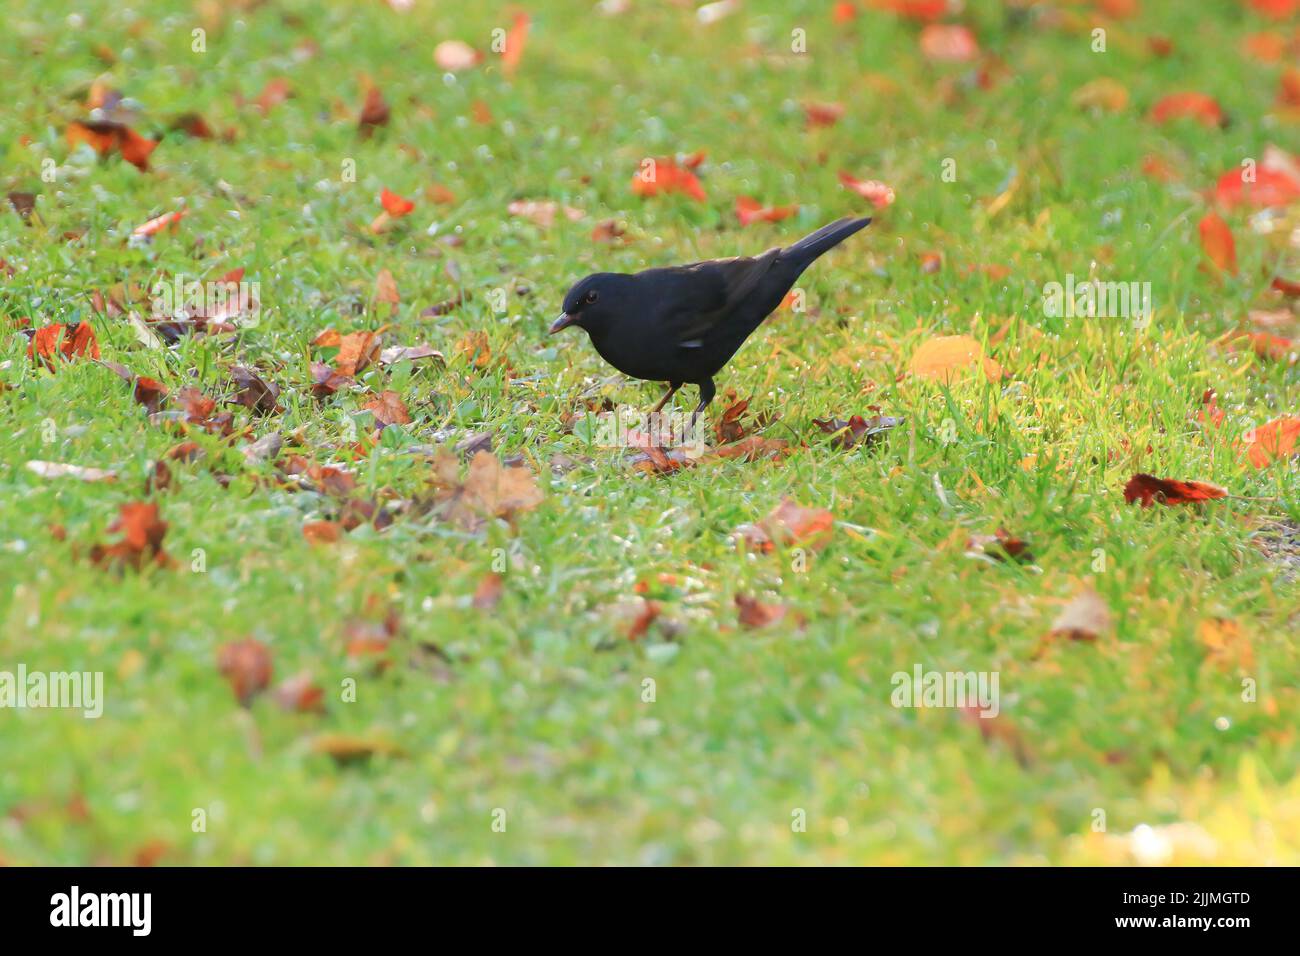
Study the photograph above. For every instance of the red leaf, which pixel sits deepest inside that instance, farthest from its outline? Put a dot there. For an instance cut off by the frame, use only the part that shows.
(1272, 442)
(1198, 106)
(663, 175)
(1270, 187)
(395, 205)
(877, 193)
(1168, 491)
(246, 665)
(516, 37)
(750, 210)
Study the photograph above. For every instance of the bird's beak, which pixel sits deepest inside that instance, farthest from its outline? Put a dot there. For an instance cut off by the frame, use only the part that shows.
(563, 322)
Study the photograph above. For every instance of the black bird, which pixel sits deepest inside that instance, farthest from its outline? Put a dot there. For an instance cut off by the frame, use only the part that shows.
(683, 323)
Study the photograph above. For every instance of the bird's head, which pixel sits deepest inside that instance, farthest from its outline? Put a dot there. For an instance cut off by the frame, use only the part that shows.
(592, 302)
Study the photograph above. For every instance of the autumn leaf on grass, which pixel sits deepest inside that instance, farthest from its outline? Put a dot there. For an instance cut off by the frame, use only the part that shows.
(790, 524)
(388, 409)
(24, 204)
(1226, 647)
(877, 193)
(167, 220)
(948, 43)
(663, 175)
(455, 56)
(1201, 107)
(301, 695)
(246, 666)
(749, 210)
(1218, 244)
(1274, 441)
(347, 749)
(857, 430)
(326, 380)
(356, 351)
(254, 393)
(822, 114)
(1103, 95)
(999, 546)
(106, 138)
(515, 39)
(58, 469)
(142, 531)
(947, 357)
(1149, 490)
(395, 207)
(1085, 618)
(273, 94)
(490, 490)
(488, 593)
(543, 211)
(645, 617)
(408, 353)
(322, 532)
(1261, 187)
(474, 346)
(62, 341)
(374, 112)
(753, 614)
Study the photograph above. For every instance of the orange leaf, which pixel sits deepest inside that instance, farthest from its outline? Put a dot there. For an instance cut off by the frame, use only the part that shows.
(750, 210)
(1265, 188)
(246, 665)
(877, 193)
(1217, 242)
(395, 205)
(1272, 441)
(944, 357)
(949, 43)
(158, 224)
(1198, 106)
(665, 176)
(1149, 489)
(516, 37)
(68, 341)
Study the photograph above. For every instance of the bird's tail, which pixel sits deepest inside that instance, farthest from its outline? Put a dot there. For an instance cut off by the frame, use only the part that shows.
(823, 240)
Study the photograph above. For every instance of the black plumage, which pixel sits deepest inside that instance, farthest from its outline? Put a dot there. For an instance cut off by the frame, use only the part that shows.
(682, 324)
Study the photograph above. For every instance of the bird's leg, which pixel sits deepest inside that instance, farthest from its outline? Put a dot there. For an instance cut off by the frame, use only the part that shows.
(672, 390)
(707, 391)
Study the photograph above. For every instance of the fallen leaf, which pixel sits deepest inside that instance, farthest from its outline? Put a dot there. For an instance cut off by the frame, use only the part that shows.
(347, 749)
(790, 524)
(516, 37)
(322, 532)
(356, 351)
(374, 112)
(388, 409)
(948, 43)
(254, 393)
(822, 114)
(877, 193)
(159, 223)
(663, 175)
(857, 430)
(1274, 441)
(395, 205)
(455, 56)
(142, 530)
(645, 617)
(754, 614)
(67, 341)
(1217, 243)
(543, 212)
(749, 210)
(1198, 106)
(1085, 618)
(488, 593)
(1226, 647)
(490, 490)
(946, 357)
(300, 694)
(1148, 490)
(56, 469)
(1103, 94)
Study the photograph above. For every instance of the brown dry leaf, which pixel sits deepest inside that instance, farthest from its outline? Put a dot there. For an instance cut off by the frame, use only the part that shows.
(857, 430)
(645, 617)
(374, 112)
(754, 614)
(490, 490)
(142, 531)
(326, 380)
(246, 665)
(254, 393)
(356, 351)
(999, 546)
(322, 532)
(948, 356)
(354, 748)
(474, 346)
(411, 353)
(300, 694)
(1086, 618)
(388, 409)
(386, 290)
(790, 524)
(488, 593)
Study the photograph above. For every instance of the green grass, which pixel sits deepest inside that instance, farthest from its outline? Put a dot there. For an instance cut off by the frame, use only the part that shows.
(540, 710)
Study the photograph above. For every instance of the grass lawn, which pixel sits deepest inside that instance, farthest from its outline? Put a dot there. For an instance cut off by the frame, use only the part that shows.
(612, 704)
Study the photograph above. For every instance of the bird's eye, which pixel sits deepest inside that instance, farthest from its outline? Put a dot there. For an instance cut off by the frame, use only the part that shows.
(590, 297)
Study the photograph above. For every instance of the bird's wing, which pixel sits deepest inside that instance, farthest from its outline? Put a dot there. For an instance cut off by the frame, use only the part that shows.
(706, 293)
